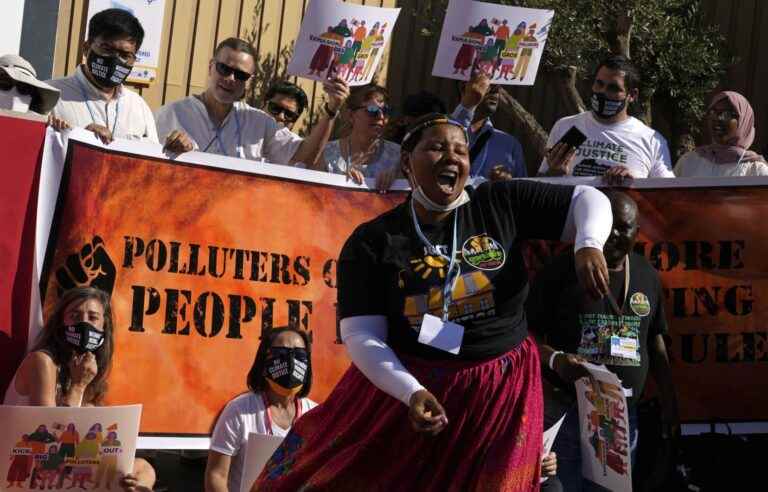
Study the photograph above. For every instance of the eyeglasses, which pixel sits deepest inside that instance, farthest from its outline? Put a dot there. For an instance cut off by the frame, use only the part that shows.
(299, 353)
(105, 49)
(7, 83)
(225, 71)
(275, 109)
(724, 116)
(374, 110)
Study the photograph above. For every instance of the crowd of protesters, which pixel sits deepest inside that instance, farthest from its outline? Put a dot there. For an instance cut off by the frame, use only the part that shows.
(438, 153)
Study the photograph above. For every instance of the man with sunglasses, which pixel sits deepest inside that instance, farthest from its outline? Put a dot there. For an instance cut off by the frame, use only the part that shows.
(20, 91)
(494, 154)
(286, 102)
(219, 122)
(94, 97)
(617, 146)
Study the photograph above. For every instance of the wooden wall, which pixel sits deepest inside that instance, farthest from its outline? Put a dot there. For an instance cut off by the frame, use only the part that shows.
(192, 29)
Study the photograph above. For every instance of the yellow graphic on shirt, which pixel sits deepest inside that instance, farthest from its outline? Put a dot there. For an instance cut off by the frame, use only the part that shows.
(471, 298)
(428, 264)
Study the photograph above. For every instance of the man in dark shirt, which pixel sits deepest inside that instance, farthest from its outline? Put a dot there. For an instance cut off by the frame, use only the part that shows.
(624, 331)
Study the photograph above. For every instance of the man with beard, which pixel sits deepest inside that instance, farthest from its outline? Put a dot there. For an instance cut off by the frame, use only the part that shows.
(94, 97)
(624, 331)
(494, 154)
(618, 146)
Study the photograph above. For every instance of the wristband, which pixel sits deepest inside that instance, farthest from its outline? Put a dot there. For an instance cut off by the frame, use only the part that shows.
(552, 358)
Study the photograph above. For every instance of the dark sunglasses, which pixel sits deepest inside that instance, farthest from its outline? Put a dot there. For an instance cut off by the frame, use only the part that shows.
(7, 83)
(298, 353)
(373, 110)
(225, 71)
(275, 109)
(724, 116)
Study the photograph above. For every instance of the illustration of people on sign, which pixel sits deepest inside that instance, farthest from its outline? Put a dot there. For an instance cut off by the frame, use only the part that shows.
(526, 45)
(21, 463)
(348, 53)
(608, 435)
(111, 448)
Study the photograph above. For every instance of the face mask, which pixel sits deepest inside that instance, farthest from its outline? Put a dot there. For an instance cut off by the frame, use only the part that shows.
(426, 202)
(13, 100)
(607, 108)
(84, 336)
(286, 370)
(109, 71)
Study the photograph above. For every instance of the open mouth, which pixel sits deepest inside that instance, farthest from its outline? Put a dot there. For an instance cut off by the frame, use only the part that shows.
(447, 180)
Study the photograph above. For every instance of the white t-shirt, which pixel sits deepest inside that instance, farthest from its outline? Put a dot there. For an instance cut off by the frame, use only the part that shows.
(692, 165)
(246, 132)
(630, 143)
(81, 104)
(242, 416)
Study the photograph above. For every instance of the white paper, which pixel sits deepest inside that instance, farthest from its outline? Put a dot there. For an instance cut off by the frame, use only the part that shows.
(342, 38)
(443, 335)
(259, 450)
(549, 439)
(505, 42)
(604, 424)
(96, 444)
(150, 14)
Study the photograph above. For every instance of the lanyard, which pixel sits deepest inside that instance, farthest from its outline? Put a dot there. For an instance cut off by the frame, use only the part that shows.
(620, 310)
(239, 136)
(483, 157)
(106, 109)
(451, 277)
(268, 417)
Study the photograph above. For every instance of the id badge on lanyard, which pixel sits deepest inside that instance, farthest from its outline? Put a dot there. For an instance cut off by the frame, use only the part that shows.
(623, 344)
(440, 333)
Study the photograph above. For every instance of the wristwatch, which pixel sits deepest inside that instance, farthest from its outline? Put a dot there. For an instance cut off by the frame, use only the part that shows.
(331, 114)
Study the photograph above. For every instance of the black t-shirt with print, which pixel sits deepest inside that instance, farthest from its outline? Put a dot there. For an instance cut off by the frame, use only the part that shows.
(573, 322)
(385, 269)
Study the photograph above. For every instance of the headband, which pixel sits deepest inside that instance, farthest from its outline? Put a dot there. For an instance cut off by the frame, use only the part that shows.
(437, 121)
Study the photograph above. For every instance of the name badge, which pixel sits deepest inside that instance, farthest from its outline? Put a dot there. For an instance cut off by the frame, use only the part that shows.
(625, 347)
(443, 335)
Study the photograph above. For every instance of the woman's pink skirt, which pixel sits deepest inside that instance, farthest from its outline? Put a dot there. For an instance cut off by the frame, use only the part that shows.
(361, 438)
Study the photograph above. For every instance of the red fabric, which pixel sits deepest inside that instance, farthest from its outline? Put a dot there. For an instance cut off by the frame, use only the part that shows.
(361, 439)
(21, 142)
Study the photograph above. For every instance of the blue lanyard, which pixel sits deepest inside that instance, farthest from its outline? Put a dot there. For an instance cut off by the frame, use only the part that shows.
(451, 276)
(106, 109)
(239, 147)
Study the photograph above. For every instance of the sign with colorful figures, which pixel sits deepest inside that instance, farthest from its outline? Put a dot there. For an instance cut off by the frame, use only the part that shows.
(63, 448)
(341, 39)
(506, 43)
(604, 424)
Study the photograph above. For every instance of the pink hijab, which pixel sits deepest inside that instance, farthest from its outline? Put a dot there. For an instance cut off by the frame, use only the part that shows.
(738, 147)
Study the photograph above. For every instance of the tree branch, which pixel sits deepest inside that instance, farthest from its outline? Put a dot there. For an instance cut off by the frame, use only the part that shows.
(566, 78)
(532, 130)
(620, 32)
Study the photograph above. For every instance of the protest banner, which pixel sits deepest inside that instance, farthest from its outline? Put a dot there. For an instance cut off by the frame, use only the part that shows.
(259, 450)
(55, 447)
(341, 39)
(506, 43)
(604, 426)
(22, 142)
(151, 14)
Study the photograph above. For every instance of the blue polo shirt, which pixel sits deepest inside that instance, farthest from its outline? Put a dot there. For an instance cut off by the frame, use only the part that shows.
(500, 149)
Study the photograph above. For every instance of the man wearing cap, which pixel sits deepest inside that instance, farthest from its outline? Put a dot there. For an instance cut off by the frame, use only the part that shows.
(94, 97)
(20, 90)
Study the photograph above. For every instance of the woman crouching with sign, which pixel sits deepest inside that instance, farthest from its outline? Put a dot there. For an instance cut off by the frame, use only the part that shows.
(431, 300)
(69, 365)
(279, 380)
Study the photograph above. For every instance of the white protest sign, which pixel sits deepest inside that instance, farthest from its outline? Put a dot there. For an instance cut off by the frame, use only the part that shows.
(342, 39)
(259, 450)
(504, 42)
(55, 447)
(604, 424)
(150, 14)
(549, 438)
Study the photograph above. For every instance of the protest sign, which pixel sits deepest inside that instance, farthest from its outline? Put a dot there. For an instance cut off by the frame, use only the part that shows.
(259, 450)
(55, 447)
(604, 426)
(505, 43)
(342, 39)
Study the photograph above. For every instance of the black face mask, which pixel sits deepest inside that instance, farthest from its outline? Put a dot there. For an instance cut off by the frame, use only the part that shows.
(109, 71)
(84, 337)
(286, 369)
(607, 108)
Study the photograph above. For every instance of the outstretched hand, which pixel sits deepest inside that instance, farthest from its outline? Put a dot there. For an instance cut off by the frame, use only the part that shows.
(426, 413)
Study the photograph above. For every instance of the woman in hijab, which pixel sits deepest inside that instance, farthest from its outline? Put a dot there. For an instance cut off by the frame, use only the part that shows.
(731, 124)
